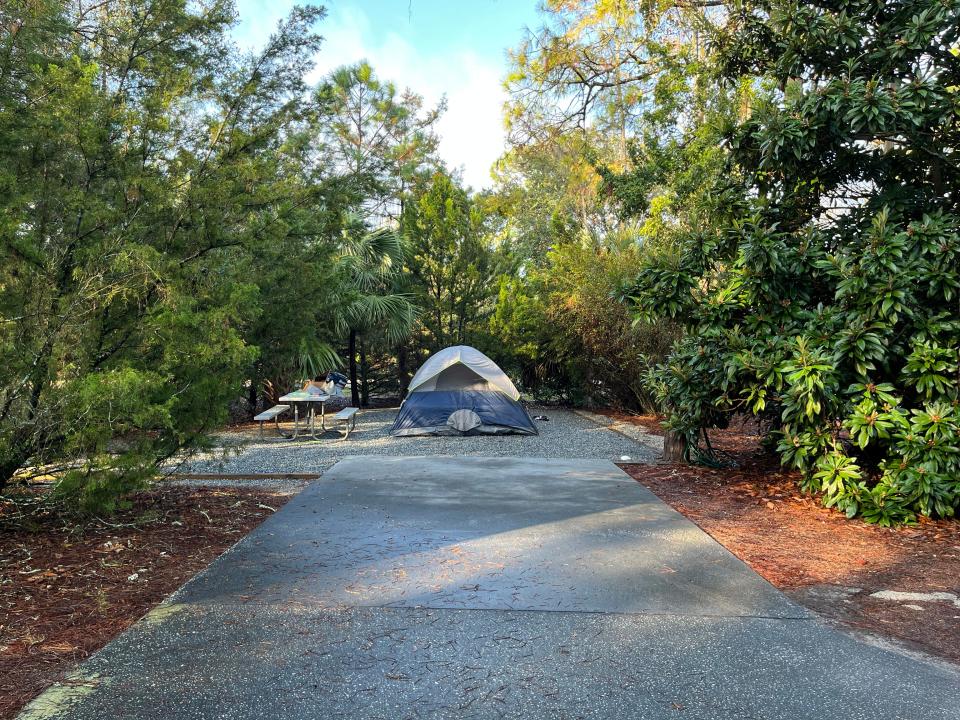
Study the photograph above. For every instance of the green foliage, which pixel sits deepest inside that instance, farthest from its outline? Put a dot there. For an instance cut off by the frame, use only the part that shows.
(606, 65)
(145, 168)
(371, 262)
(381, 144)
(547, 192)
(825, 301)
(451, 267)
(615, 134)
(382, 140)
(561, 330)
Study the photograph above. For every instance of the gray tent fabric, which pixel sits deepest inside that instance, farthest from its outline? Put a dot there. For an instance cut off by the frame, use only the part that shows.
(464, 420)
(460, 391)
(459, 367)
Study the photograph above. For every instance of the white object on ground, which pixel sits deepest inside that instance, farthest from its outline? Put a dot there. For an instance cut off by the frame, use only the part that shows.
(624, 458)
(916, 597)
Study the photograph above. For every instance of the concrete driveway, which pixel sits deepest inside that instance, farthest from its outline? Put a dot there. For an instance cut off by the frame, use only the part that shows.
(448, 587)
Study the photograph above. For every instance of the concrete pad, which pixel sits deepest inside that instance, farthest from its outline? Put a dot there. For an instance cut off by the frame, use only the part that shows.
(488, 588)
(300, 662)
(489, 533)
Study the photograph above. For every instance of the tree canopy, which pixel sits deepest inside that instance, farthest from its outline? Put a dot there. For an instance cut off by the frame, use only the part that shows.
(704, 210)
(826, 301)
(142, 165)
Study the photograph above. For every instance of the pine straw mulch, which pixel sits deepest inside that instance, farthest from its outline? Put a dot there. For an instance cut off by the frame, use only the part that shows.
(817, 556)
(67, 589)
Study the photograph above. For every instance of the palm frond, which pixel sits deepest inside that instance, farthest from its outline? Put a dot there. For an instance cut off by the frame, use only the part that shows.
(378, 254)
(394, 312)
(372, 261)
(315, 358)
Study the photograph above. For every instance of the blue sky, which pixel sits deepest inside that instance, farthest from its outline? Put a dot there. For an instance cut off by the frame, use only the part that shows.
(455, 48)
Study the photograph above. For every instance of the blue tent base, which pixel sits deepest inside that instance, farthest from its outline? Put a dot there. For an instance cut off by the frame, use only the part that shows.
(426, 413)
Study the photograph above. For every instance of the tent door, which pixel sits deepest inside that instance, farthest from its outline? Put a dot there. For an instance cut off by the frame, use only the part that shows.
(457, 377)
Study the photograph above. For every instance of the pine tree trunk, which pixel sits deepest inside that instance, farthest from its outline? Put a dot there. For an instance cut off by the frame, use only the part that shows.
(674, 446)
(354, 386)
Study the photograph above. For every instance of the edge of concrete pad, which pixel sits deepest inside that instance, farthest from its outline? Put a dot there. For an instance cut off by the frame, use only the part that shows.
(594, 464)
(76, 684)
(60, 696)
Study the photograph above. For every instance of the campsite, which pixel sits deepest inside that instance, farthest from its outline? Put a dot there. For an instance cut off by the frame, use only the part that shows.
(505, 359)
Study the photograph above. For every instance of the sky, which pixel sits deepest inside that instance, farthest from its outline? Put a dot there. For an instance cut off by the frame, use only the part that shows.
(437, 48)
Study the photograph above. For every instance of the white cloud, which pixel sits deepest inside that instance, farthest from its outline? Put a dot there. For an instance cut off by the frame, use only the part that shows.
(471, 131)
(257, 19)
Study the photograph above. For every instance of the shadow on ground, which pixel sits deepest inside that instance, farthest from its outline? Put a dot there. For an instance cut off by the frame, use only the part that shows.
(489, 588)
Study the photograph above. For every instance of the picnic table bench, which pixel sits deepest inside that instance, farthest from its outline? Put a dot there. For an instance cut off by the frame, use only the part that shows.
(347, 419)
(274, 414)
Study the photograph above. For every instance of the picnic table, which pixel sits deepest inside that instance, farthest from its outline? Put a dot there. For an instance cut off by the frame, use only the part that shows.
(308, 401)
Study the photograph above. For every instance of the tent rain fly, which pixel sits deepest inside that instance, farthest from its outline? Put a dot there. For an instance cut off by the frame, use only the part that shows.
(460, 391)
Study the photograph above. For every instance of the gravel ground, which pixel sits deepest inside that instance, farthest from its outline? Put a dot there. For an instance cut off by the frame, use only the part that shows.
(566, 435)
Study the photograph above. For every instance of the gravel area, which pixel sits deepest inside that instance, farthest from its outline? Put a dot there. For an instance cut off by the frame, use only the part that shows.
(566, 434)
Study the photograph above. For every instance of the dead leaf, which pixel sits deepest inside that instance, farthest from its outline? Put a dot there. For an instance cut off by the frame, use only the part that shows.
(60, 647)
(45, 575)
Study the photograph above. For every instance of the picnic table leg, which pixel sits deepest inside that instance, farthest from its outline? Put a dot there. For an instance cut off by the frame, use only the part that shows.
(323, 418)
(296, 421)
(349, 426)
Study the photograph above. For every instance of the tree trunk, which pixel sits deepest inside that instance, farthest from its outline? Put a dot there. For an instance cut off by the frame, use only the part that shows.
(674, 446)
(354, 386)
(364, 373)
(252, 397)
(402, 379)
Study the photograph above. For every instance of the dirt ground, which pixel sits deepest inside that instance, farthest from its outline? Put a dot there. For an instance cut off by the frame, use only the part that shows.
(66, 591)
(819, 558)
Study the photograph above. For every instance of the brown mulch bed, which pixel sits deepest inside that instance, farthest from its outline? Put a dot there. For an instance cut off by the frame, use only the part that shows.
(65, 590)
(815, 555)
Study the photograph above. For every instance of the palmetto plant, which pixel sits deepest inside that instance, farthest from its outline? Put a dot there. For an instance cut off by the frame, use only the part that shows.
(372, 263)
(314, 358)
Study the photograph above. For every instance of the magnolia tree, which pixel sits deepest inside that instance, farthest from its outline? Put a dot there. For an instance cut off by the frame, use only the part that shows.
(827, 300)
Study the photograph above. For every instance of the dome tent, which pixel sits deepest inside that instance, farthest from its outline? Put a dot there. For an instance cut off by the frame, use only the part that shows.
(460, 391)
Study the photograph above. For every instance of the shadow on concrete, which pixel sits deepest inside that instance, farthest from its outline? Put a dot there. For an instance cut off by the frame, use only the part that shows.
(661, 622)
(495, 533)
